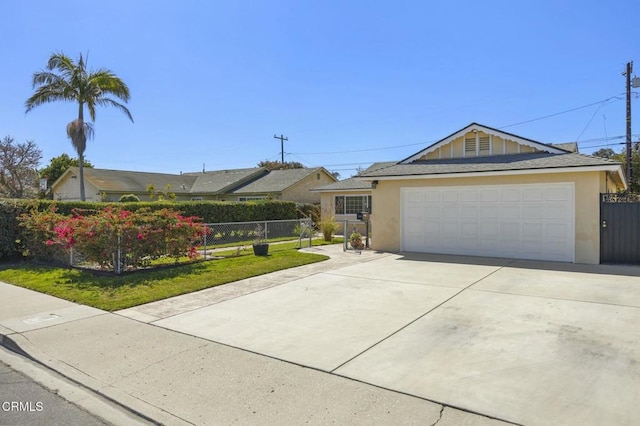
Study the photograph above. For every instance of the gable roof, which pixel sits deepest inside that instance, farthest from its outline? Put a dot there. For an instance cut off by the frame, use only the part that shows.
(127, 181)
(488, 130)
(253, 180)
(220, 181)
(278, 180)
(353, 183)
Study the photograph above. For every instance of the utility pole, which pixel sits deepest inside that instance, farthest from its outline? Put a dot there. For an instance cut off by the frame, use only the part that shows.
(282, 139)
(628, 75)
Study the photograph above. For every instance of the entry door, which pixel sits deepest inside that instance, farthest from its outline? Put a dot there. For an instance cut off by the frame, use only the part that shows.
(530, 221)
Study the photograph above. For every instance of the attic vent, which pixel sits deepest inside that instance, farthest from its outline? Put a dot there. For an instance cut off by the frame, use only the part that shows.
(485, 144)
(470, 144)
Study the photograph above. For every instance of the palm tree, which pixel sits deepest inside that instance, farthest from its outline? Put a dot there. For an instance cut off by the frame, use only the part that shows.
(65, 80)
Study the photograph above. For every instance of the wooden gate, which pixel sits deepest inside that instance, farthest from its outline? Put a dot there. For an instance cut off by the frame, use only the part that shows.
(620, 228)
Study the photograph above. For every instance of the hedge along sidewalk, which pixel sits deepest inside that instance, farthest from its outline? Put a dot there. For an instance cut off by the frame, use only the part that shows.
(112, 293)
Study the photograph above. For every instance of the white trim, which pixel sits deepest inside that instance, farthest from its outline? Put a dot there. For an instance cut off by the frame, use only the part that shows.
(342, 190)
(572, 204)
(517, 139)
(477, 144)
(501, 173)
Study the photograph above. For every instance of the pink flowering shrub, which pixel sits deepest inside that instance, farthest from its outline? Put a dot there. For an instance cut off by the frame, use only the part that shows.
(115, 238)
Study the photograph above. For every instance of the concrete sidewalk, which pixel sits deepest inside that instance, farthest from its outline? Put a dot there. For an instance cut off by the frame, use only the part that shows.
(174, 378)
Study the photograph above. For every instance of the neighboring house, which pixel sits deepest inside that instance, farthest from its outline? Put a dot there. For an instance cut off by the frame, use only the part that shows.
(229, 185)
(481, 191)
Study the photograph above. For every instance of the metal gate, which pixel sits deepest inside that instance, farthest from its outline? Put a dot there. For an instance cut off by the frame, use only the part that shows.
(620, 228)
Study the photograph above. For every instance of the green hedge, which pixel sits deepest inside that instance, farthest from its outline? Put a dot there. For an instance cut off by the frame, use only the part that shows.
(208, 211)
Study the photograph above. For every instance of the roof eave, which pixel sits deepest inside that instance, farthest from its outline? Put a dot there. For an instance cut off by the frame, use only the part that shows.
(617, 169)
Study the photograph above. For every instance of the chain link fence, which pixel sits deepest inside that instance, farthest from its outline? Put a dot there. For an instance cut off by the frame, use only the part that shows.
(229, 235)
(233, 234)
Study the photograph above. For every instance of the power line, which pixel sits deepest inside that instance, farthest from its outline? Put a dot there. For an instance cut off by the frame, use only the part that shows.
(561, 112)
(601, 103)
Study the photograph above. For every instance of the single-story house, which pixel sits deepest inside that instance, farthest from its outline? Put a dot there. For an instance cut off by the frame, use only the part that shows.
(482, 191)
(225, 185)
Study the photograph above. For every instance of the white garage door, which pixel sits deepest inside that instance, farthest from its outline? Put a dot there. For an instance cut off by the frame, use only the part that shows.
(532, 221)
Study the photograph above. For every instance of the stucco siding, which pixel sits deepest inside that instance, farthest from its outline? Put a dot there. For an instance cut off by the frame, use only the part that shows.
(301, 191)
(386, 215)
(69, 190)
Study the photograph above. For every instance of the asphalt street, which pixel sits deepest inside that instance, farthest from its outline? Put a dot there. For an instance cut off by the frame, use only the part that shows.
(23, 401)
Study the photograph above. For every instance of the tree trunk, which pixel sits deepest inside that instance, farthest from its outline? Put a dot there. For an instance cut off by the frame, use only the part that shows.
(81, 153)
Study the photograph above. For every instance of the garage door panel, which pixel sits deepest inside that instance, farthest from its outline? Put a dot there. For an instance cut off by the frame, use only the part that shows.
(557, 194)
(488, 212)
(530, 221)
(432, 212)
(533, 211)
(489, 230)
(416, 197)
(533, 194)
(450, 211)
(469, 196)
(509, 231)
(532, 230)
(510, 212)
(511, 195)
(489, 195)
(556, 231)
(449, 196)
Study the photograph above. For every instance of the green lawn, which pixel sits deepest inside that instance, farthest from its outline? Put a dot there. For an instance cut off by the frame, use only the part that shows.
(118, 292)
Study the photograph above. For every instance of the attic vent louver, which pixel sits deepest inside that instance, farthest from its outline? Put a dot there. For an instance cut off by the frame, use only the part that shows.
(484, 143)
(470, 144)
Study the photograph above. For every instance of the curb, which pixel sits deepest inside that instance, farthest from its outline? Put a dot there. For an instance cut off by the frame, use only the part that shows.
(103, 401)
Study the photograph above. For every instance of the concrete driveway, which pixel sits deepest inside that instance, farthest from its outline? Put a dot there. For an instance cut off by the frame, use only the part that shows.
(527, 342)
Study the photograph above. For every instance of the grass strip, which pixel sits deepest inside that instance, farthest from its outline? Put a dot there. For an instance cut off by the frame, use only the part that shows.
(119, 292)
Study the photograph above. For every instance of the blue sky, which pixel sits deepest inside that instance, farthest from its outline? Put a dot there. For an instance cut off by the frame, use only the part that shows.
(348, 82)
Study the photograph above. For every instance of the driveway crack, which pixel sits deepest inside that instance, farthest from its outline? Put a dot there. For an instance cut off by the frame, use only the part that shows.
(420, 316)
(439, 416)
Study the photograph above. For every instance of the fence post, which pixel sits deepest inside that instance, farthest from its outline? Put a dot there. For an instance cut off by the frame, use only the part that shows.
(344, 235)
(119, 256)
(266, 232)
(206, 228)
(70, 256)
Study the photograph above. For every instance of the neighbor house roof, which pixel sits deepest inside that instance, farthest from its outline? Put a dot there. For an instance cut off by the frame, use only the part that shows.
(277, 181)
(253, 180)
(567, 146)
(127, 181)
(221, 181)
(353, 183)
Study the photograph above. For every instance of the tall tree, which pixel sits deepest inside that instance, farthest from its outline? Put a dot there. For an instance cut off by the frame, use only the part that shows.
(277, 165)
(69, 81)
(604, 153)
(18, 163)
(58, 165)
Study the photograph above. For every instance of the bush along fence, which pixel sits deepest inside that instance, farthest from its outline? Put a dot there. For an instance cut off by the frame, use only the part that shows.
(113, 238)
(15, 239)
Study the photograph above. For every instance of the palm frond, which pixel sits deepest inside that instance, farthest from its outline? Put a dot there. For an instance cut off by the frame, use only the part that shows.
(111, 84)
(118, 105)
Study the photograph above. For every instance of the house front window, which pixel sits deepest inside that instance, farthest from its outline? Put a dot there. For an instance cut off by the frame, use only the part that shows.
(352, 204)
(250, 198)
